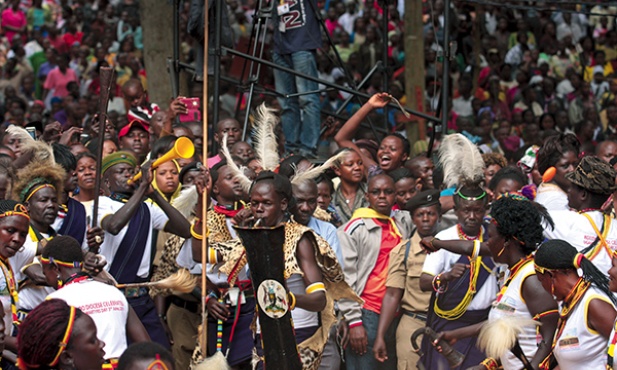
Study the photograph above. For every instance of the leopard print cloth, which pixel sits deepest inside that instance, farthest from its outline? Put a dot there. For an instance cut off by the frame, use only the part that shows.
(168, 265)
(336, 288)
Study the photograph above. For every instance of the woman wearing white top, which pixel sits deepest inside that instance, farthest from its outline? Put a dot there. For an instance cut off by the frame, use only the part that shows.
(514, 232)
(561, 152)
(587, 312)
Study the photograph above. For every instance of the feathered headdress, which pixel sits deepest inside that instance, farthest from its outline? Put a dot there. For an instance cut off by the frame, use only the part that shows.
(236, 171)
(266, 146)
(462, 162)
(314, 171)
(40, 150)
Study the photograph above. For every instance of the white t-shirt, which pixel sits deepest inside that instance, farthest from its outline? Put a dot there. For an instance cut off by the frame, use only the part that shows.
(30, 296)
(443, 260)
(109, 248)
(576, 229)
(552, 197)
(106, 305)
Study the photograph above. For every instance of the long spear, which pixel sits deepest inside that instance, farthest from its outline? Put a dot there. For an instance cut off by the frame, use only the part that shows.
(204, 210)
(105, 75)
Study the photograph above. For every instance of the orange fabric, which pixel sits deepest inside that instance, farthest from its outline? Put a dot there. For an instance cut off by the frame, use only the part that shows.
(375, 287)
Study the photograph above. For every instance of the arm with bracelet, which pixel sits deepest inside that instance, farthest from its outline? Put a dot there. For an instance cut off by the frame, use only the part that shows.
(314, 298)
(473, 248)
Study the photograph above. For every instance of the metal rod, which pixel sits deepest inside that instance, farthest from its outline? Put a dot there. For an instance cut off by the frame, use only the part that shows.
(217, 61)
(384, 55)
(308, 92)
(175, 89)
(364, 80)
(341, 65)
(323, 82)
(267, 13)
(445, 83)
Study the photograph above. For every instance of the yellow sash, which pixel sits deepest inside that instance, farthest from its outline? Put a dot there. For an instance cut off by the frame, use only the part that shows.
(371, 213)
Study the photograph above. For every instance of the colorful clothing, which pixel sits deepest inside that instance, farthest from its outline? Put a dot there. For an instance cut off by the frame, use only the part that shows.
(234, 260)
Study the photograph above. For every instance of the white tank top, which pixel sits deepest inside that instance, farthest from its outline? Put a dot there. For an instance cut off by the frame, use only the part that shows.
(511, 303)
(580, 347)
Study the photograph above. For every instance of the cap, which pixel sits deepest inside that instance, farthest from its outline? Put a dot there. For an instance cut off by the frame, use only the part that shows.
(193, 166)
(126, 129)
(424, 198)
(594, 175)
(117, 158)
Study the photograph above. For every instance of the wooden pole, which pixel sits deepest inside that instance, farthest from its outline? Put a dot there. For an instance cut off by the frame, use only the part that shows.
(414, 68)
(204, 288)
(105, 75)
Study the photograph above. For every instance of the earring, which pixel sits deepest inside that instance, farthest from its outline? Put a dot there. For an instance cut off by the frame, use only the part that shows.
(60, 282)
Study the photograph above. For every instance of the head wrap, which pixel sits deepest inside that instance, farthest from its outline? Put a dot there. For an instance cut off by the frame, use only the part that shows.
(33, 186)
(594, 175)
(117, 158)
(12, 208)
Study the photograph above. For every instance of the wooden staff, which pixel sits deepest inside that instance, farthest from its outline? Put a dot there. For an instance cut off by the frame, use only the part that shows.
(204, 210)
(105, 75)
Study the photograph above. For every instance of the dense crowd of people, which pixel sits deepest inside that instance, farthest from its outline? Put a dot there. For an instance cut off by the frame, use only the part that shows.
(500, 237)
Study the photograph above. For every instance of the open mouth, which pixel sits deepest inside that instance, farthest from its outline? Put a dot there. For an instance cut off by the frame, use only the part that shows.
(385, 161)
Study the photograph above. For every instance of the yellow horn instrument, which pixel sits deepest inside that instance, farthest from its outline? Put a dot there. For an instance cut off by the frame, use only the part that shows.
(183, 148)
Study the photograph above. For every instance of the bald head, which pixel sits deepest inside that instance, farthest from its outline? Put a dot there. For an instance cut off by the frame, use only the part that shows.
(422, 167)
(606, 150)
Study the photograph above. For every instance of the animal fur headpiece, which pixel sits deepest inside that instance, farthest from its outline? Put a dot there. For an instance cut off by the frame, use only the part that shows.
(40, 150)
(38, 175)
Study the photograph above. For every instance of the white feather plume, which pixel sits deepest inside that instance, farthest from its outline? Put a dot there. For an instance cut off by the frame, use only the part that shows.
(215, 362)
(461, 160)
(266, 146)
(40, 150)
(186, 200)
(497, 337)
(314, 171)
(237, 172)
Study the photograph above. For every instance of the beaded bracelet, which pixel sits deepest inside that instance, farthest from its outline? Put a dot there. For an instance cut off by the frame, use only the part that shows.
(476, 249)
(437, 284)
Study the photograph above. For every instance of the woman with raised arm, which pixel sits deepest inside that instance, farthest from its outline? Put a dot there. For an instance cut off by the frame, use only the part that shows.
(394, 148)
(514, 233)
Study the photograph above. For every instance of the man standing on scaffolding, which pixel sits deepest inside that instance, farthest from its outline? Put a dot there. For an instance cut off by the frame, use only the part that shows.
(296, 37)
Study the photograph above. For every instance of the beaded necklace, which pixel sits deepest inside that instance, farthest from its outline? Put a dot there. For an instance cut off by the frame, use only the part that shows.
(474, 271)
(513, 271)
(569, 303)
(463, 236)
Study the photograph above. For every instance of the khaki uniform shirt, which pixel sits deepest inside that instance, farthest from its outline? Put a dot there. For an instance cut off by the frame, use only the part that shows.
(407, 276)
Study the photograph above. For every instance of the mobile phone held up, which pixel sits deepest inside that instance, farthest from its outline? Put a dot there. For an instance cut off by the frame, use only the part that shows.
(194, 112)
(32, 132)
